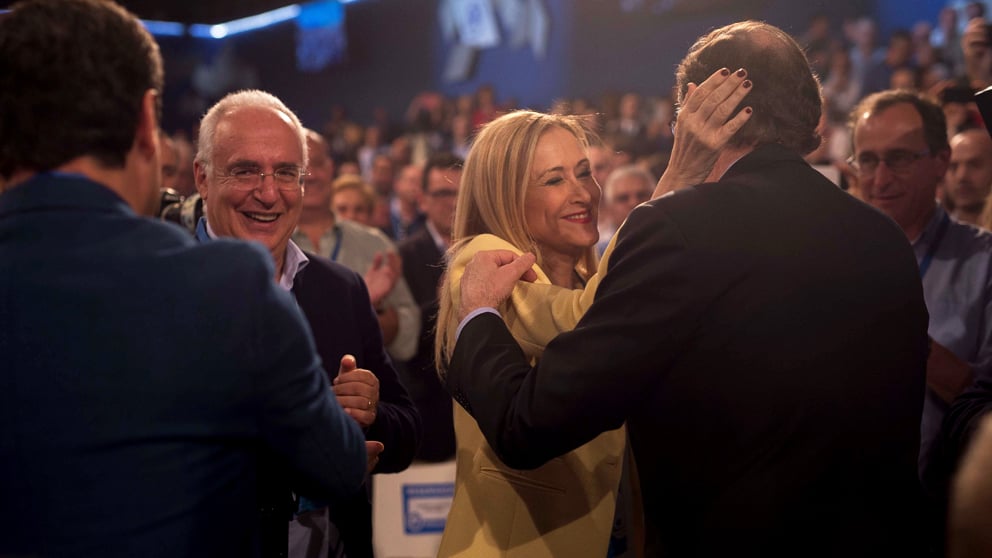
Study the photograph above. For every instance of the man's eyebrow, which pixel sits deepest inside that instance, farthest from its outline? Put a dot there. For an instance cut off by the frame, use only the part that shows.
(257, 165)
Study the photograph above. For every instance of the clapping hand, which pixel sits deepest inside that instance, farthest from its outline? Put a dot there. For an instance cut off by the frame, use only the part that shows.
(382, 275)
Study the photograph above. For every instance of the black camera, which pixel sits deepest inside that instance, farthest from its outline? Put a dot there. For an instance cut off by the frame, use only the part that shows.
(185, 212)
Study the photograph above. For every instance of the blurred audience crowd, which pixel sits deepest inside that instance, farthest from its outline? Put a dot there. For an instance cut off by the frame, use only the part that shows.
(948, 59)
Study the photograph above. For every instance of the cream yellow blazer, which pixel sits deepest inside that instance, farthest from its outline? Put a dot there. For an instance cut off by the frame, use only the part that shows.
(561, 509)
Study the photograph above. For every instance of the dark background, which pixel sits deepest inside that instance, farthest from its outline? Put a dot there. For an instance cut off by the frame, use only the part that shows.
(395, 50)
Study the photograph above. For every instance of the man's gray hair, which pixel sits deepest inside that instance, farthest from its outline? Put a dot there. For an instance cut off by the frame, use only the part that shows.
(239, 99)
(623, 172)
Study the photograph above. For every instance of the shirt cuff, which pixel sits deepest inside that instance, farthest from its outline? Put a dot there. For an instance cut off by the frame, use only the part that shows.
(472, 314)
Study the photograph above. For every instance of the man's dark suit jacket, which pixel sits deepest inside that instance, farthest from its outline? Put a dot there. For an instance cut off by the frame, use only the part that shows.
(423, 266)
(337, 307)
(142, 375)
(765, 338)
(336, 303)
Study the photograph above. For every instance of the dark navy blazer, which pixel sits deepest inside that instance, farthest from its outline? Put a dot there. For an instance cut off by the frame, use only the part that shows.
(340, 314)
(141, 376)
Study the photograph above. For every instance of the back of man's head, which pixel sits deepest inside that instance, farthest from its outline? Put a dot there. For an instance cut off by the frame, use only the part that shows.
(786, 96)
(74, 73)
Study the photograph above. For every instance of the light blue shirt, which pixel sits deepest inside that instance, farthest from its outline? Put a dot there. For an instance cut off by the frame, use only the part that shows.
(957, 288)
(295, 261)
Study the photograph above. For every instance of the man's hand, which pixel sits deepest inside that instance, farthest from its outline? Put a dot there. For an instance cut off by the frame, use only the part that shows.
(947, 375)
(703, 128)
(357, 390)
(372, 450)
(382, 275)
(490, 277)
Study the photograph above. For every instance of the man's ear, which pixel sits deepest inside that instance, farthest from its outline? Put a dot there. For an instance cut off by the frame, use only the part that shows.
(146, 136)
(200, 178)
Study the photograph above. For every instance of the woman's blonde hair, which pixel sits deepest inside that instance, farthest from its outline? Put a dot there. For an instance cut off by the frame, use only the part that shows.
(492, 196)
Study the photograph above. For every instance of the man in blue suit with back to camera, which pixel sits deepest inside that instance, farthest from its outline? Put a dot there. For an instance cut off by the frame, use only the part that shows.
(142, 373)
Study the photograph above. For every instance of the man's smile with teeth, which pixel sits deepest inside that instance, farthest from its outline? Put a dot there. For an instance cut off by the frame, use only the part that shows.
(263, 217)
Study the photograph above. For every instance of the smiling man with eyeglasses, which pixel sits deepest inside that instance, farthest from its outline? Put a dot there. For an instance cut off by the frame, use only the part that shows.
(250, 170)
(901, 153)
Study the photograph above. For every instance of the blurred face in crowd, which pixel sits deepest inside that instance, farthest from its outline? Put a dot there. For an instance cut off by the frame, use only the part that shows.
(626, 193)
(898, 174)
(249, 141)
(382, 174)
(440, 197)
(349, 204)
(969, 175)
(408, 186)
(349, 167)
(900, 50)
(975, 44)
(562, 201)
(317, 194)
(169, 159)
(601, 161)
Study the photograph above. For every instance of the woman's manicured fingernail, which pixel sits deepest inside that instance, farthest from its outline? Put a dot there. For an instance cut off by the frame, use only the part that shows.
(747, 83)
(741, 73)
(724, 72)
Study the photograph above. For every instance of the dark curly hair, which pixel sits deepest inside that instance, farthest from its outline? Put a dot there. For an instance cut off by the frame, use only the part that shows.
(786, 97)
(74, 73)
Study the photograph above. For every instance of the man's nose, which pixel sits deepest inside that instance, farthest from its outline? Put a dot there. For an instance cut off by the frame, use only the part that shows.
(267, 190)
(882, 175)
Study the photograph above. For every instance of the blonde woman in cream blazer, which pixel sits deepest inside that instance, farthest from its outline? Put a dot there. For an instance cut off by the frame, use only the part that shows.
(527, 186)
(563, 508)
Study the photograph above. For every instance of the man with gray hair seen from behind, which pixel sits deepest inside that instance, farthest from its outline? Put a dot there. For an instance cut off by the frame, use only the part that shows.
(761, 333)
(143, 374)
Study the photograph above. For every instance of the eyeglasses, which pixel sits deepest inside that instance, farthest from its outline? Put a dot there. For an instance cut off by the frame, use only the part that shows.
(442, 194)
(898, 160)
(246, 179)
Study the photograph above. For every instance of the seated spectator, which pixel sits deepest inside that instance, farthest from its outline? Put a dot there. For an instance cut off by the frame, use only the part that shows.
(353, 200)
(898, 56)
(969, 175)
(362, 249)
(626, 188)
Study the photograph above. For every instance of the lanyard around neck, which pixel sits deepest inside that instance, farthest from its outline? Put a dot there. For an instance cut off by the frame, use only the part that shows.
(338, 233)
